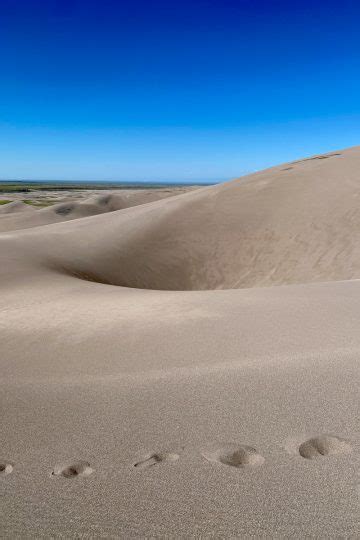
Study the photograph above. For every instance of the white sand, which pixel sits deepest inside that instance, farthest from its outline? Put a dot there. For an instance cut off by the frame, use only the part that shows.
(146, 412)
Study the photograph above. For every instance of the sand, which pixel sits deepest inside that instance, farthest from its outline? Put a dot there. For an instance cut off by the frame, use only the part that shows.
(66, 206)
(15, 207)
(187, 367)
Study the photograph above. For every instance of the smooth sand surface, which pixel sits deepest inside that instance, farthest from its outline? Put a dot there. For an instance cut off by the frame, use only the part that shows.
(153, 384)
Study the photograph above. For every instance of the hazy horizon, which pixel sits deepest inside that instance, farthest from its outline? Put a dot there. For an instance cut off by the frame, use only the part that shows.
(110, 182)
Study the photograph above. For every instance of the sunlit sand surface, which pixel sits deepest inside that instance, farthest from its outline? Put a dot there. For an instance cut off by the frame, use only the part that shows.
(185, 365)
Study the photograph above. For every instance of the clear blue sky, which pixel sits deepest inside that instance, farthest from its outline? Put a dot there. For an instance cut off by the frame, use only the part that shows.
(200, 90)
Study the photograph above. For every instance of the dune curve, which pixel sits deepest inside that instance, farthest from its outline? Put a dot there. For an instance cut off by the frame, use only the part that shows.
(275, 227)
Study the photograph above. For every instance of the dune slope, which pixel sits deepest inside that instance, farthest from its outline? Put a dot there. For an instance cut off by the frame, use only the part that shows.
(15, 207)
(75, 209)
(291, 224)
(139, 412)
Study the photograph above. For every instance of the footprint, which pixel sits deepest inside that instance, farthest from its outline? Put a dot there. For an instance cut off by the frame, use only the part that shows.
(6, 468)
(79, 468)
(235, 455)
(324, 445)
(153, 459)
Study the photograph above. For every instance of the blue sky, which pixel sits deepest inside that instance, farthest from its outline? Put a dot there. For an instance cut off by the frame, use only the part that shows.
(192, 91)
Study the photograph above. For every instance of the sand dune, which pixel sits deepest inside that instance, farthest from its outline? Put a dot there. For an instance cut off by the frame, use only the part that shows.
(15, 207)
(137, 406)
(75, 209)
(276, 227)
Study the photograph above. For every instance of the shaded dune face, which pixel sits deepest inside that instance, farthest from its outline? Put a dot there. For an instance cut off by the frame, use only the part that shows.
(285, 225)
(160, 249)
